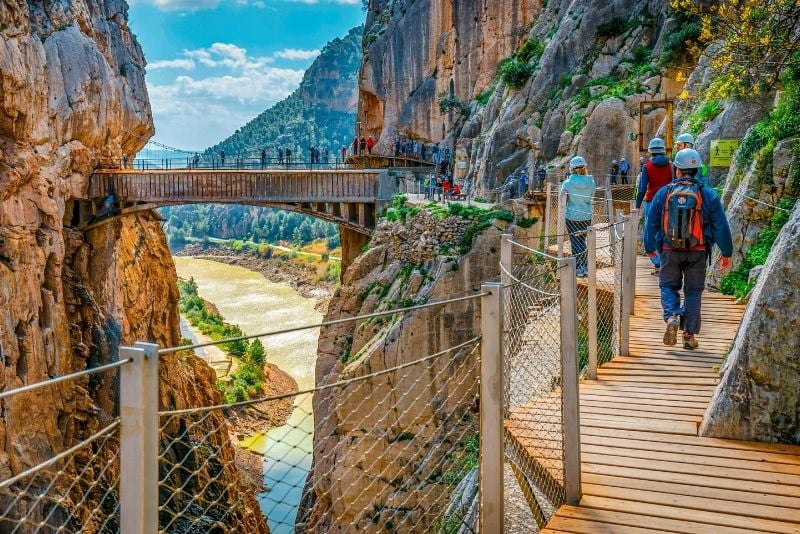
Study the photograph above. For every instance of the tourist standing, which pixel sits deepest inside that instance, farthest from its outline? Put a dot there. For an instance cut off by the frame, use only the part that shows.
(362, 146)
(288, 156)
(541, 176)
(355, 146)
(370, 144)
(397, 147)
(222, 157)
(613, 173)
(577, 192)
(656, 173)
(435, 155)
(624, 168)
(263, 158)
(280, 156)
(344, 154)
(684, 221)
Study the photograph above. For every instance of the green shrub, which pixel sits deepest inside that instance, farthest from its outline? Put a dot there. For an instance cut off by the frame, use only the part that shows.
(484, 96)
(448, 102)
(703, 115)
(527, 222)
(576, 124)
(514, 72)
(532, 50)
(676, 43)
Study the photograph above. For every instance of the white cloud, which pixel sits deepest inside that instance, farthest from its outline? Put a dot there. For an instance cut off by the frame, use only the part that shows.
(294, 53)
(186, 64)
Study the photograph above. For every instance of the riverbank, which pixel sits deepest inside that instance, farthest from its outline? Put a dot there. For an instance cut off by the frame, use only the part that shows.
(301, 276)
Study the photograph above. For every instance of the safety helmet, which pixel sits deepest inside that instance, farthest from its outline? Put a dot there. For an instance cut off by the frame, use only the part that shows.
(686, 138)
(688, 158)
(576, 163)
(613, 161)
(657, 146)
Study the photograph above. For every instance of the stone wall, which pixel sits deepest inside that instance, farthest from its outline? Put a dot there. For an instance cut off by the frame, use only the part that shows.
(759, 395)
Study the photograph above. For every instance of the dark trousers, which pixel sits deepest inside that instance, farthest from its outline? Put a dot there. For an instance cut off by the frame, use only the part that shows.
(687, 269)
(577, 240)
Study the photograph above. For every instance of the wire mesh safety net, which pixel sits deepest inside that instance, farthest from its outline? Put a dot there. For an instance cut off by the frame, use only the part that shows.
(75, 490)
(533, 439)
(393, 450)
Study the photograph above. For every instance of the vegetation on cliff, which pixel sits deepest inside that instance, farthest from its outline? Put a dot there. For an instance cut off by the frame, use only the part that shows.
(247, 381)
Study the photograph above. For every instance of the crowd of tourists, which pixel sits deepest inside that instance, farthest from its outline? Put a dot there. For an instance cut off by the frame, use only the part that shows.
(683, 220)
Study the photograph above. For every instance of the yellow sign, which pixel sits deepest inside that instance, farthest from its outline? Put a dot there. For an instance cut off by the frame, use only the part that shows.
(722, 151)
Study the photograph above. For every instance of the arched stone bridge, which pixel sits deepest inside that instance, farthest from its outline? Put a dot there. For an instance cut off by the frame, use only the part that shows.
(350, 198)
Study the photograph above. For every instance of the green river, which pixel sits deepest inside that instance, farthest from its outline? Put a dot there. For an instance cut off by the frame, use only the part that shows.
(247, 299)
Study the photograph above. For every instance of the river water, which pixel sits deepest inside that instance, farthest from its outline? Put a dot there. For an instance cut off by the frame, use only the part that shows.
(247, 299)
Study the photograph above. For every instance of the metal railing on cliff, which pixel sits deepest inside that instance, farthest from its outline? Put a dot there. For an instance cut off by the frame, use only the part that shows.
(407, 437)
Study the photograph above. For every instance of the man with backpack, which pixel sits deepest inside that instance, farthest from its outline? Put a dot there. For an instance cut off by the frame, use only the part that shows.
(656, 173)
(684, 221)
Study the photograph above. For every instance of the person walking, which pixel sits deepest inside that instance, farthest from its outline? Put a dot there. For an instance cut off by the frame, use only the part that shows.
(541, 176)
(397, 147)
(355, 146)
(685, 220)
(370, 144)
(435, 154)
(222, 157)
(577, 192)
(686, 140)
(362, 146)
(523, 184)
(280, 156)
(614, 172)
(288, 156)
(263, 158)
(344, 154)
(656, 173)
(624, 168)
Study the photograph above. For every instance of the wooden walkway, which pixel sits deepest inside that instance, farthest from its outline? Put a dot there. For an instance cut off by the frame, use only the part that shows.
(644, 468)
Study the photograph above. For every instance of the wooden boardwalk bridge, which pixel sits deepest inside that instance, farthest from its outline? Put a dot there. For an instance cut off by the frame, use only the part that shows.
(350, 198)
(644, 468)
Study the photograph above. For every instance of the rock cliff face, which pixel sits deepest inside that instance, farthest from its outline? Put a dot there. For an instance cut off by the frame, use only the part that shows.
(759, 396)
(590, 64)
(72, 95)
(376, 466)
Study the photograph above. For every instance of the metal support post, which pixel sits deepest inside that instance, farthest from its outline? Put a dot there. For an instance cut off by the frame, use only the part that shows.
(591, 238)
(610, 213)
(625, 319)
(562, 224)
(150, 434)
(506, 256)
(634, 237)
(569, 381)
(547, 211)
(138, 480)
(491, 409)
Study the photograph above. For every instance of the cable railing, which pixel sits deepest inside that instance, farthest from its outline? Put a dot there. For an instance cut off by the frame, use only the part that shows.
(395, 435)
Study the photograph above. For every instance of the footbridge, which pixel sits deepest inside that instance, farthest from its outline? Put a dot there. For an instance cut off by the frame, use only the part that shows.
(351, 198)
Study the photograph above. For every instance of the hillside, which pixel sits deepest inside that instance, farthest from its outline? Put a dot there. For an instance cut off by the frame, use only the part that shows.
(321, 112)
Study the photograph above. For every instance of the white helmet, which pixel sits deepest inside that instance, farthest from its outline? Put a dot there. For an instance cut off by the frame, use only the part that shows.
(686, 138)
(577, 163)
(688, 158)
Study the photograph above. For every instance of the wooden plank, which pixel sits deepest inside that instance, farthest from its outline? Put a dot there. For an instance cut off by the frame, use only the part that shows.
(638, 520)
(663, 427)
(609, 386)
(700, 516)
(584, 526)
(640, 409)
(636, 484)
(647, 399)
(692, 468)
(663, 414)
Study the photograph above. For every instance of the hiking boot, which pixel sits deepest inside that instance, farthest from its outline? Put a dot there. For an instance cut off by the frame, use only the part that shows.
(671, 335)
(656, 271)
(689, 342)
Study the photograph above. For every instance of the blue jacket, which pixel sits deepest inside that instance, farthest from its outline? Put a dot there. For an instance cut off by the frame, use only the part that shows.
(659, 160)
(580, 192)
(715, 224)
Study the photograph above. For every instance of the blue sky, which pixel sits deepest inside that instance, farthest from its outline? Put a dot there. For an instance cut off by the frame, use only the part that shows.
(215, 64)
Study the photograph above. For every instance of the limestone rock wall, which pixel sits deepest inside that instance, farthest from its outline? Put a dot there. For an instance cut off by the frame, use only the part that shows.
(372, 466)
(418, 50)
(759, 395)
(72, 96)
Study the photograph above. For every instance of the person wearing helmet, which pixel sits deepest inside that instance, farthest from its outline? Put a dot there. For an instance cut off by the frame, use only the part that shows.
(686, 140)
(684, 221)
(624, 168)
(577, 192)
(656, 173)
(613, 173)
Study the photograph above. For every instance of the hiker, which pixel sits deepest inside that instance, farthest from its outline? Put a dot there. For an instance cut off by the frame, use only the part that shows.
(355, 146)
(541, 176)
(280, 156)
(624, 168)
(222, 157)
(578, 189)
(423, 149)
(370, 144)
(686, 140)
(685, 220)
(397, 147)
(288, 156)
(656, 173)
(362, 146)
(523, 184)
(344, 154)
(614, 172)
(435, 154)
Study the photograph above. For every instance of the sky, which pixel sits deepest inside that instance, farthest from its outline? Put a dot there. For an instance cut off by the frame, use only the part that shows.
(213, 65)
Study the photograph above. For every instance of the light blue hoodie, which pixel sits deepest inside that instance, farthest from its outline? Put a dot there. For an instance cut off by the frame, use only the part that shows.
(580, 191)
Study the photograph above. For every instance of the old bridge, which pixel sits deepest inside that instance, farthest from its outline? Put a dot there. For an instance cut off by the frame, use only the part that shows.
(347, 197)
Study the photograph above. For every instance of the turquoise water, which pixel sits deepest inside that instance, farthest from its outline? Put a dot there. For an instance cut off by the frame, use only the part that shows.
(247, 299)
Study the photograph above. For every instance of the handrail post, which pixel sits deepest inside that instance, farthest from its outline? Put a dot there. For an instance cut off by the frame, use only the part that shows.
(569, 382)
(591, 238)
(562, 224)
(506, 254)
(610, 213)
(150, 434)
(625, 319)
(634, 232)
(547, 208)
(134, 479)
(491, 409)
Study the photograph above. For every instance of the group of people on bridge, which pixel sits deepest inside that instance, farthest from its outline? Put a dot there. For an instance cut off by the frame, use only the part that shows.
(683, 220)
